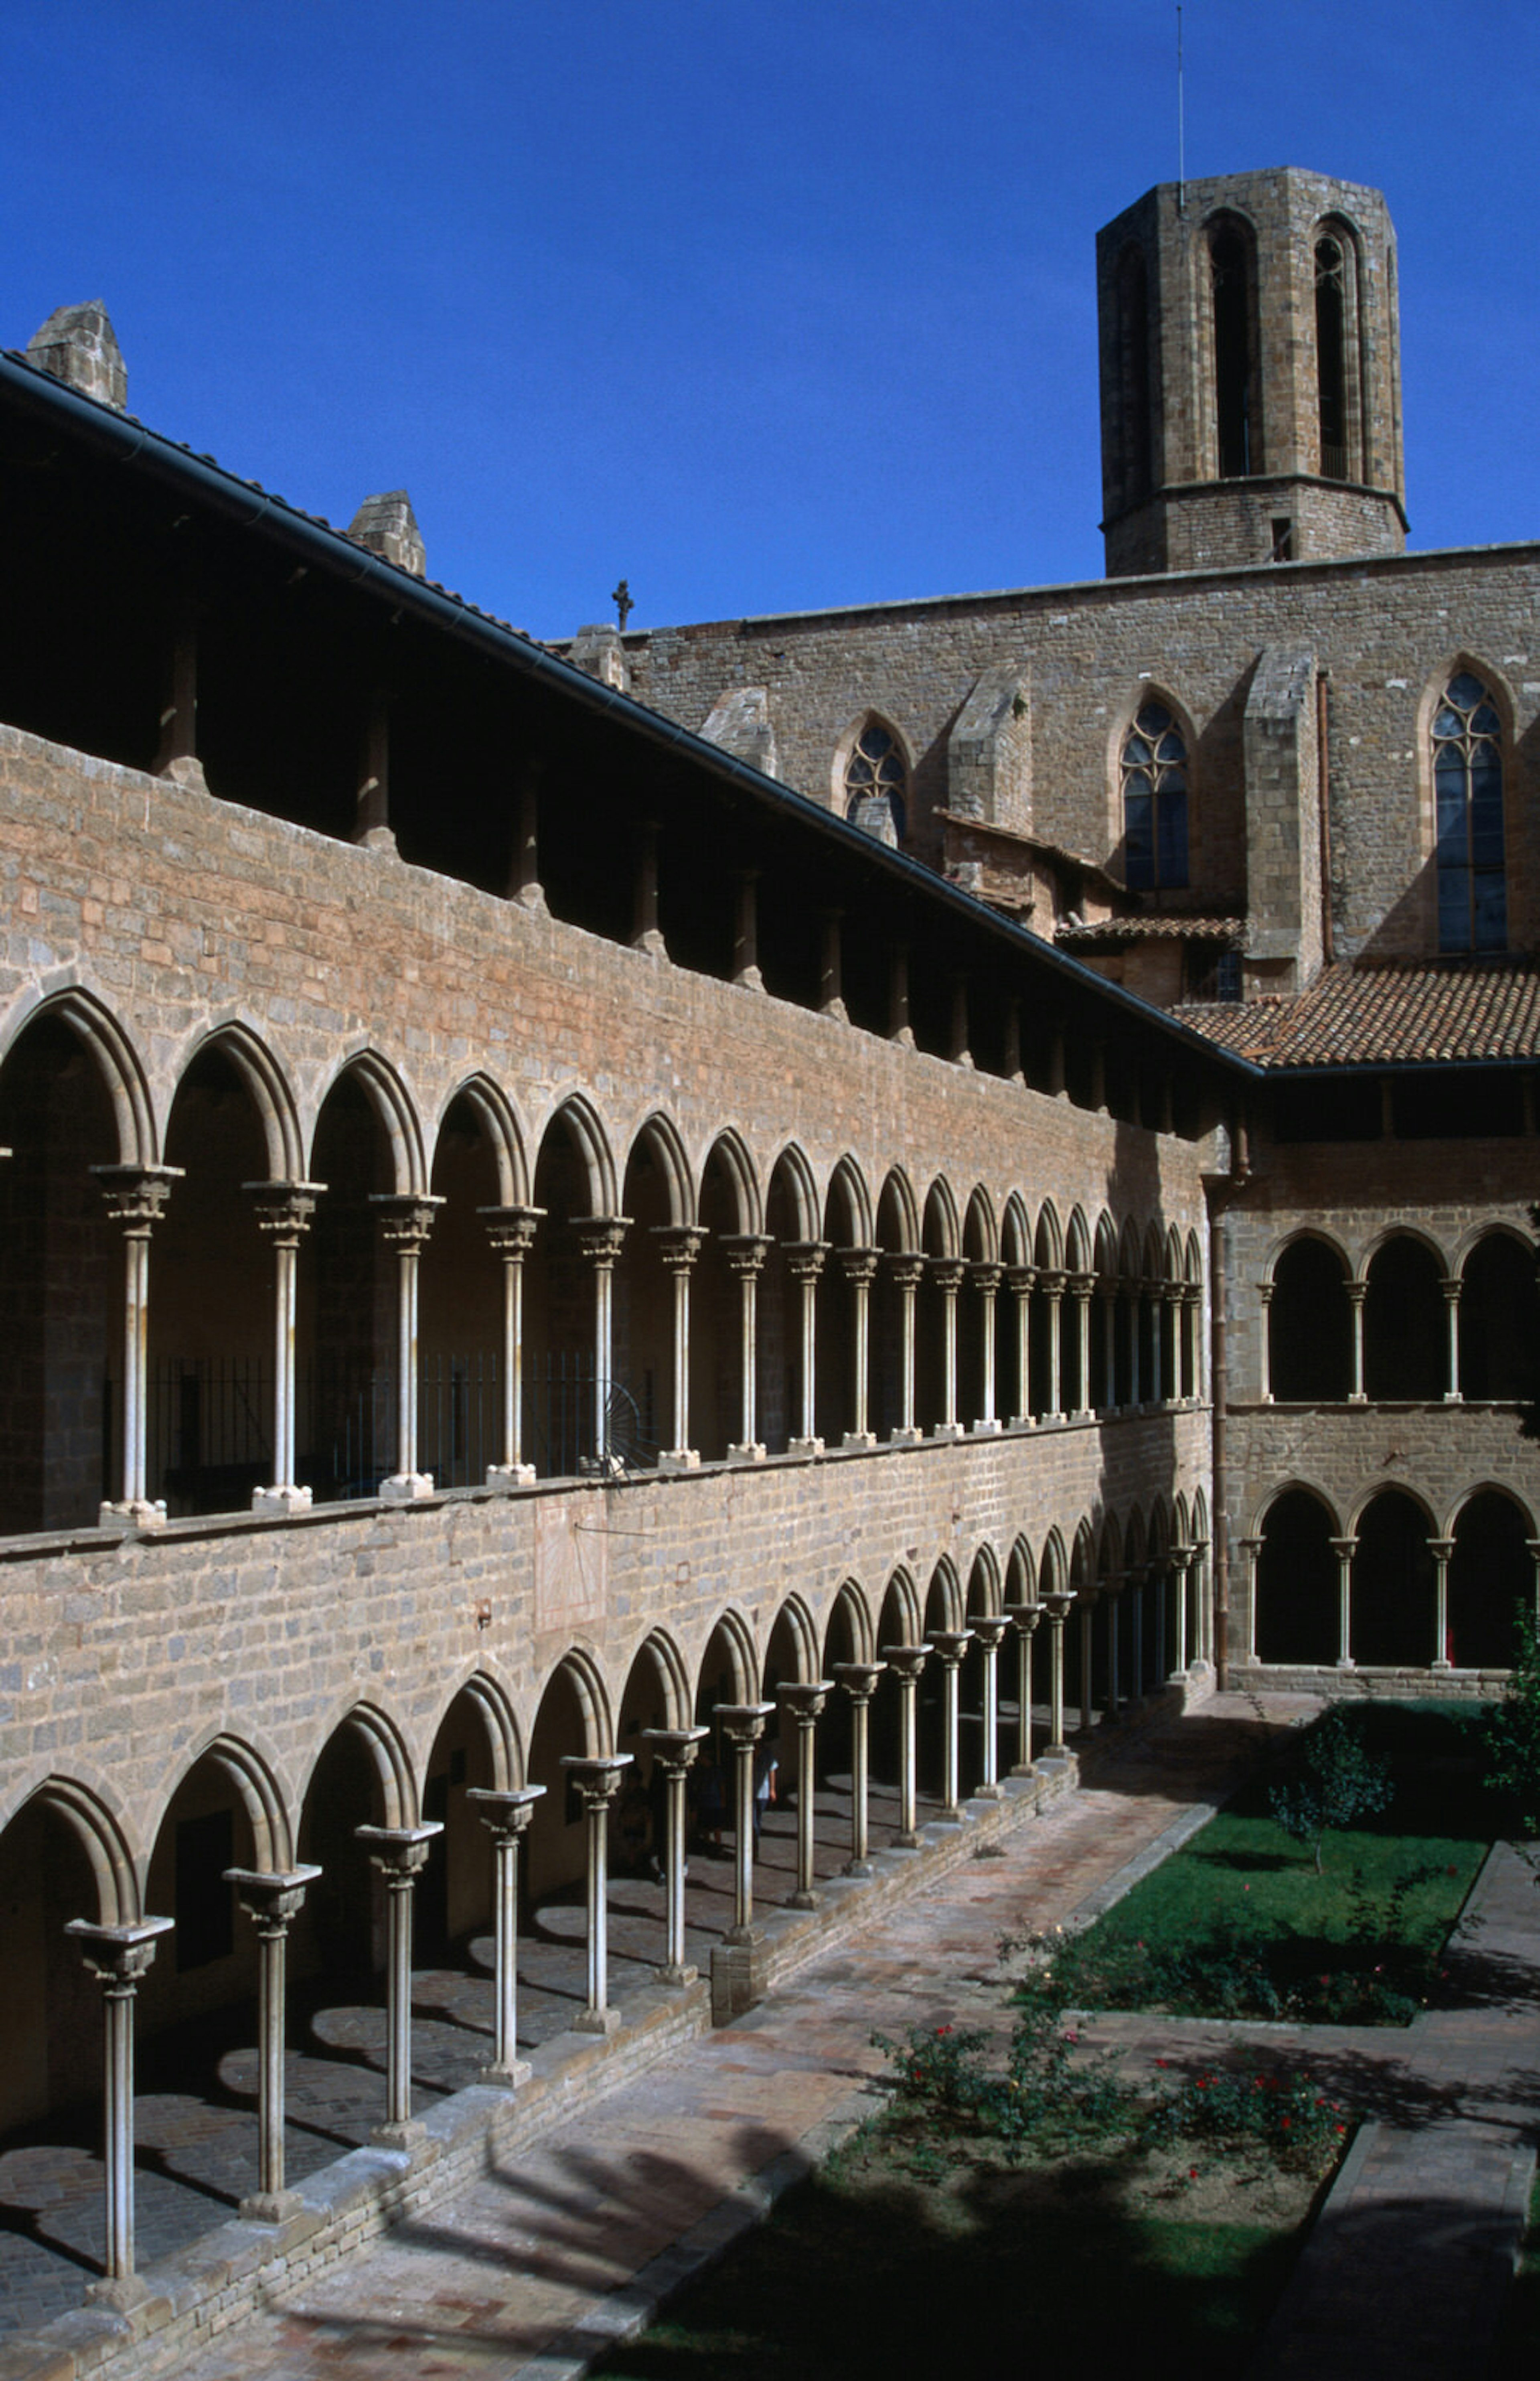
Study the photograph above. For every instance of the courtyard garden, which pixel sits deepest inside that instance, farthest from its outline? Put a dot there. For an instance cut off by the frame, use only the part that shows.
(1020, 2185)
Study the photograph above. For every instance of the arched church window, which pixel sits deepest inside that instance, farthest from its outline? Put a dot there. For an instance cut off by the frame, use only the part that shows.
(1331, 355)
(1155, 802)
(876, 771)
(1235, 392)
(1468, 804)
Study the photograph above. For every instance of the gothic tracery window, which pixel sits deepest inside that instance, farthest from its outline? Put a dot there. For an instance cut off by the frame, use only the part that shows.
(876, 771)
(1155, 802)
(1468, 806)
(1331, 355)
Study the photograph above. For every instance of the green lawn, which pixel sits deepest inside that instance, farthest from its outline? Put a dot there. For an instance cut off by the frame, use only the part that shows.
(1238, 1922)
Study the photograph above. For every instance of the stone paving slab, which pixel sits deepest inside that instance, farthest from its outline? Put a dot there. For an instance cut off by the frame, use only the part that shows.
(544, 2263)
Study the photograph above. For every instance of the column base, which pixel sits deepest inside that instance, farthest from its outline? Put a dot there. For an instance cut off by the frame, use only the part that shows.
(750, 1452)
(806, 1448)
(804, 1901)
(403, 1487)
(680, 1975)
(604, 2021)
(906, 1437)
(650, 943)
(1084, 1413)
(270, 2207)
(858, 1868)
(1021, 1421)
(1441, 1663)
(1022, 1769)
(1346, 1661)
(280, 1500)
(678, 1458)
(945, 1431)
(137, 1512)
(911, 1842)
(858, 1442)
(750, 979)
(506, 1476)
(984, 1429)
(122, 2292)
(744, 1937)
(531, 896)
(509, 2077)
(952, 1814)
(407, 2134)
(991, 1793)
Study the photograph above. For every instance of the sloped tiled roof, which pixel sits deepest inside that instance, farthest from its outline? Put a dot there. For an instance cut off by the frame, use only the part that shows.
(1164, 928)
(1386, 1012)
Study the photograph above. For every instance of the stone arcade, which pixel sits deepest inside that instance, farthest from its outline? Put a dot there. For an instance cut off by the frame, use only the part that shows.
(577, 1216)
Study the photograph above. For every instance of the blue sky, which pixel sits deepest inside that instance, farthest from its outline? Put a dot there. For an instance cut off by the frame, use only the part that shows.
(765, 306)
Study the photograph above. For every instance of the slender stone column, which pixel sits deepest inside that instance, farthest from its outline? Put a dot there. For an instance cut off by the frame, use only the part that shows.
(1024, 1619)
(949, 1645)
(595, 1777)
(959, 1053)
(898, 1027)
(1136, 1333)
(1088, 1647)
(989, 1628)
(746, 967)
(1265, 1299)
(859, 1680)
(804, 1262)
(1202, 1601)
(906, 1662)
(511, 1231)
(601, 1239)
(371, 802)
(273, 1898)
(1163, 1576)
(745, 1252)
(1082, 1285)
(743, 1725)
(859, 1268)
(1441, 1549)
(1139, 1581)
(646, 935)
(118, 1956)
(1357, 1293)
(405, 1224)
(1112, 1597)
(1181, 1570)
(1051, 1287)
(1453, 1394)
(399, 1854)
(524, 884)
(177, 755)
(831, 1000)
(908, 1271)
(804, 1699)
(1155, 1295)
(673, 1749)
(135, 1197)
(986, 1279)
(505, 1812)
(284, 1212)
(946, 1272)
(1252, 1550)
(1343, 1549)
(1056, 1605)
(680, 1245)
(1192, 1311)
(1011, 1059)
(1021, 1279)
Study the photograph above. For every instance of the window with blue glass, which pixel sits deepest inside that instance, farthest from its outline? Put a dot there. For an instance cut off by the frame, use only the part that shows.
(1468, 804)
(1155, 802)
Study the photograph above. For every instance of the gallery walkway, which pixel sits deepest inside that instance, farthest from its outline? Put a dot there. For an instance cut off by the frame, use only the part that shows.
(528, 2274)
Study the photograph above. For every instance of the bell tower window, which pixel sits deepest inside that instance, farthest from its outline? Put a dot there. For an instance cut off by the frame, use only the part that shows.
(1331, 356)
(1468, 804)
(1155, 802)
(1235, 390)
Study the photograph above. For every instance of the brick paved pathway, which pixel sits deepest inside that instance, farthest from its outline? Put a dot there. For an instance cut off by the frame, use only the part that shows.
(535, 2269)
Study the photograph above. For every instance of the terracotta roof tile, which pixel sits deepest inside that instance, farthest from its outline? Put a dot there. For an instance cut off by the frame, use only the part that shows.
(1167, 927)
(1386, 1012)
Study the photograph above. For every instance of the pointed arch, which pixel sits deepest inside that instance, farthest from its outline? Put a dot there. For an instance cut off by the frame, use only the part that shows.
(388, 1097)
(255, 1779)
(793, 1614)
(98, 1829)
(1467, 720)
(276, 1108)
(661, 1137)
(742, 1652)
(392, 1764)
(800, 1189)
(849, 1184)
(495, 1704)
(854, 1603)
(873, 766)
(984, 1590)
(1077, 1243)
(1015, 1231)
(941, 1222)
(504, 1134)
(898, 1206)
(116, 1059)
(730, 1153)
(1053, 1571)
(1150, 764)
(901, 1591)
(945, 1591)
(981, 1232)
(658, 1646)
(1048, 1239)
(578, 1117)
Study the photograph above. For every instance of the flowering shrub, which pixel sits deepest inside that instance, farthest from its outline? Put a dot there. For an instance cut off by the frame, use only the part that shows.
(1287, 2113)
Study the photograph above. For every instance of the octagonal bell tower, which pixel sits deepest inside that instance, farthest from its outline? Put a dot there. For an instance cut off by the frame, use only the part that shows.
(1250, 374)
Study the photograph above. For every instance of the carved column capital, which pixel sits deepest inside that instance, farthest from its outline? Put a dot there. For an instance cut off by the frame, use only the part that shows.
(511, 1230)
(118, 1955)
(506, 1811)
(947, 1274)
(273, 1896)
(679, 1244)
(284, 1209)
(860, 1679)
(406, 1217)
(949, 1645)
(136, 1195)
(805, 1698)
(742, 1724)
(675, 1748)
(859, 1266)
(804, 1259)
(1024, 1617)
(986, 1276)
(745, 1252)
(594, 1775)
(602, 1237)
(989, 1628)
(399, 1852)
(907, 1268)
(906, 1662)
